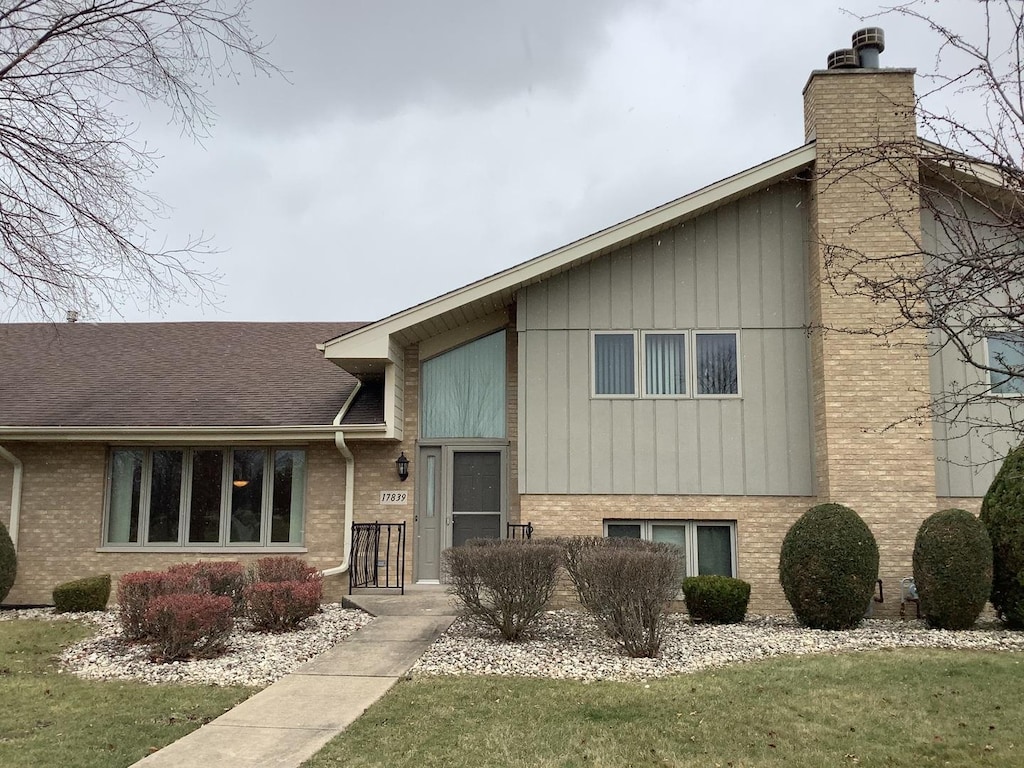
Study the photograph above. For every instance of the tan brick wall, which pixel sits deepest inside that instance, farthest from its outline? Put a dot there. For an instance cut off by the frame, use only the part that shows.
(62, 519)
(761, 524)
(869, 456)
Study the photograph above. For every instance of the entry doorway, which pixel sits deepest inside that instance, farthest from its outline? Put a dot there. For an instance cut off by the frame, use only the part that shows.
(461, 495)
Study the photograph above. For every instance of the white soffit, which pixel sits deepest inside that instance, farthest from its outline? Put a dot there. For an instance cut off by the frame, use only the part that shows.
(373, 338)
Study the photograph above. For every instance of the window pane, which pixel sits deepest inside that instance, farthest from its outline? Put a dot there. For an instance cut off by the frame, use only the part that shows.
(204, 512)
(464, 390)
(671, 534)
(717, 371)
(614, 368)
(1006, 353)
(623, 530)
(665, 363)
(165, 497)
(289, 486)
(714, 550)
(246, 495)
(476, 480)
(125, 492)
(466, 527)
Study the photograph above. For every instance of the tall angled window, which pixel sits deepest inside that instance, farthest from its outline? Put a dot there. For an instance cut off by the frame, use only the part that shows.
(1006, 359)
(665, 363)
(615, 364)
(717, 364)
(464, 390)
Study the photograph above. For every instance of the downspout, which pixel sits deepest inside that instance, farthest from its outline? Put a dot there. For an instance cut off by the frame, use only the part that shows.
(19, 470)
(350, 479)
(350, 483)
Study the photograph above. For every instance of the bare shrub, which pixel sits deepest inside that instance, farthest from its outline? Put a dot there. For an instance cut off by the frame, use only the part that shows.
(225, 579)
(504, 584)
(281, 569)
(626, 584)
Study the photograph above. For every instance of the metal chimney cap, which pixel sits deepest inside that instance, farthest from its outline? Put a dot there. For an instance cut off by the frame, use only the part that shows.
(71, 316)
(869, 37)
(844, 58)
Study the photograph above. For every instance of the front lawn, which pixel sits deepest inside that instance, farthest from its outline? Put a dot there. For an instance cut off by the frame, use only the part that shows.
(884, 708)
(53, 719)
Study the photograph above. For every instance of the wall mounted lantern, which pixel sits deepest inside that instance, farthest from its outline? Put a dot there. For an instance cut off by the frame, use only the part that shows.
(403, 467)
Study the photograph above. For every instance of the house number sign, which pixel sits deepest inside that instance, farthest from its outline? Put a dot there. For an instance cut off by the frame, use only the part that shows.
(394, 497)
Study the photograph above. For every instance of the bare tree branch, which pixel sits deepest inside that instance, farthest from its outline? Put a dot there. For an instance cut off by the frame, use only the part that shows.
(75, 218)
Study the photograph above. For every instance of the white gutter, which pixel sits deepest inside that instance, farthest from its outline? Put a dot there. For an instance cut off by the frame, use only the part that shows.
(19, 470)
(350, 483)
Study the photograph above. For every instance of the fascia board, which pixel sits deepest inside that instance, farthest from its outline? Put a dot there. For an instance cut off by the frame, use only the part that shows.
(180, 434)
(375, 335)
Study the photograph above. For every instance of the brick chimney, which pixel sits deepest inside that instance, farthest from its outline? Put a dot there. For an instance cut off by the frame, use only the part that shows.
(867, 455)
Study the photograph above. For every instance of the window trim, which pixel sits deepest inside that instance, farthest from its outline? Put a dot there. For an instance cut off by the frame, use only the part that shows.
(1001, 336)
(224, 543)
(640, 363)
(637, 384)
(691, 525)
(739, 372)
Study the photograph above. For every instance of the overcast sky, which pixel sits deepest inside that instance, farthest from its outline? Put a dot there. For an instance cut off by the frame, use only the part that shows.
(417, 145)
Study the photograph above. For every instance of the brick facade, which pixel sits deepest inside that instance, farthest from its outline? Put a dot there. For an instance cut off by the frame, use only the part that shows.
(62, 518)
(869, 456)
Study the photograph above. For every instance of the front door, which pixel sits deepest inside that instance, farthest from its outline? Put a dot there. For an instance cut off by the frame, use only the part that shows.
(461, 496)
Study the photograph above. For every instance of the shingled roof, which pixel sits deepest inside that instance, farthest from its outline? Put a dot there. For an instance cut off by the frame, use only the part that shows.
(208, 374)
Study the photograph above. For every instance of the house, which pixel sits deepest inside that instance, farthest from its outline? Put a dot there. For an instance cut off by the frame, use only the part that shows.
(672, 377)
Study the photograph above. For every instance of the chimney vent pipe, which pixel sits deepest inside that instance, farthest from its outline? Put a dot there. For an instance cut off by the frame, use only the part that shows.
(71, 316)
(844, 58)
(868, 43)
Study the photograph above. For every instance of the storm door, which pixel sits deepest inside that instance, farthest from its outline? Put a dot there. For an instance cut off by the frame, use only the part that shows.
(460, 496)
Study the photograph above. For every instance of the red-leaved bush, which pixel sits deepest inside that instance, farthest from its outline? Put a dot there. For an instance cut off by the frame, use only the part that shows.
(281, 569)
(186, 625)
(134, 592)
(278, 606)
(225, 579)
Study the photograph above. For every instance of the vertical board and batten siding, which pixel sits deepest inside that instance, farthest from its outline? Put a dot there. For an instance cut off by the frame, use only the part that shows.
(740, 267)
(966, 458)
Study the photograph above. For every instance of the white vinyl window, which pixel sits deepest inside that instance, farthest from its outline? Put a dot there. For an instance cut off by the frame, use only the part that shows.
(205, 497)
(708, 547)
(665, 364)
(1006, 356)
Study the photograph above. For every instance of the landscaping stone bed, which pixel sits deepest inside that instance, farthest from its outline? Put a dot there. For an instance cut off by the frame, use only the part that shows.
(567, 645)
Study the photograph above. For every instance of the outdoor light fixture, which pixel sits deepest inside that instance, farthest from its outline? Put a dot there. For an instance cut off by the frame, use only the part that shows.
(403, 467)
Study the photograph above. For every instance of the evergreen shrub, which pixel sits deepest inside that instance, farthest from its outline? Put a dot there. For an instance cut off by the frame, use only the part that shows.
(828, 567)
(81, 595)
(952, 569)
(1002, 513)
(8, 563)
(716, 599)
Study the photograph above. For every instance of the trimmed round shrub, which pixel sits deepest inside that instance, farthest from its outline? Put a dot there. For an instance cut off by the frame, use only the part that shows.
(225, 579)
(280, 606)
(829, 567)
(1002, 513)
(8, 563)
(952, 569)
(716, 599)
(188, 625)
(81, 595)
(281, 569)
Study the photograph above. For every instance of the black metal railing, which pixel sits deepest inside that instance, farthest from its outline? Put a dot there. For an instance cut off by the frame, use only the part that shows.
(377, 557)
(519, 531)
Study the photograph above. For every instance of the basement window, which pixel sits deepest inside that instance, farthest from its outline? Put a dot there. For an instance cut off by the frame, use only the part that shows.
(708, 547)
(205, 497)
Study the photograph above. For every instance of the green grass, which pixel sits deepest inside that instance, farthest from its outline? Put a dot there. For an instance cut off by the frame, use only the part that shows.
(898, 708)
(53, 719)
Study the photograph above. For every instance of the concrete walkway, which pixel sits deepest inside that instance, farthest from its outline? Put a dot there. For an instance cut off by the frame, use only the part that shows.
(289, 721)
